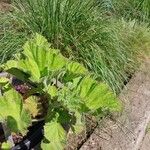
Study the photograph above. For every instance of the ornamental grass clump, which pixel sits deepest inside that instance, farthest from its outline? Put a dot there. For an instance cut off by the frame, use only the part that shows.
(87, 31)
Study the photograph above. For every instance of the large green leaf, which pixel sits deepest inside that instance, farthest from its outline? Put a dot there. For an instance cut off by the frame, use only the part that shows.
(84, 94)
(74, 70)
(12, 67)
(37, 60)
(30, 67)
(36, 50)
(56, 136)
(44, 57)
(55, 60)
(12, 110)
(97, 95)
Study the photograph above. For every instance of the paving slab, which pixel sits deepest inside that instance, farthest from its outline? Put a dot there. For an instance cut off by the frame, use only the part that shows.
(127, 132)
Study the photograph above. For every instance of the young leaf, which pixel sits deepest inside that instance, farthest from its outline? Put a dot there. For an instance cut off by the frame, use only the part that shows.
(71, 100)
(12, 110)
(56, 136)
(52, 90)
(31, 104)
(6, 146)
(3, 81)
(80, 124)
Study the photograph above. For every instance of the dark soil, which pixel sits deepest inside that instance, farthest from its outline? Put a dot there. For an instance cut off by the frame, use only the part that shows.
(2, 138)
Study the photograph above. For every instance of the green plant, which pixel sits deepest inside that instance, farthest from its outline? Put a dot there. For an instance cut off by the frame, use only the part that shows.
(80, 30)
(85, 31)
(6, 145)
(69, 88)
(133, 9)
(62, 22)
(11, 37)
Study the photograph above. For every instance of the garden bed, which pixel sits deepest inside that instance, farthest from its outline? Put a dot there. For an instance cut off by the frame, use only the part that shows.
(107, 48)
(60, 94)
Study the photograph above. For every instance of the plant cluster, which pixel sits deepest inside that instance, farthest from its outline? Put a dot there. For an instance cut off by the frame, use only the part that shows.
(11, 37)
(67, 88)
(109, 37)
(132, 9)
(91, 32)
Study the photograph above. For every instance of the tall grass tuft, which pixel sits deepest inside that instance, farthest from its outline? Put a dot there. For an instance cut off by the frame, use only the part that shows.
(82, 30)
(133, 9)
(11, 37)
